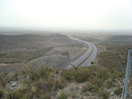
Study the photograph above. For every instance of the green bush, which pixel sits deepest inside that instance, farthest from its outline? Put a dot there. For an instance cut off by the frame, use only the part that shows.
(27, 95)
(68, 74)
(45, 96)
(118, 91)
(62, 96)
(43, 72)
(92, 62)
(1, 92)
(2, 81)
(81, 75)
(14, 95)
(110, 83)
(90, 88)
(104, 94)
(59, 83)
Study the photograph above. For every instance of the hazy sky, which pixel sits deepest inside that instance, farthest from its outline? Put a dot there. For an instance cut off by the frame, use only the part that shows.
(67, 14)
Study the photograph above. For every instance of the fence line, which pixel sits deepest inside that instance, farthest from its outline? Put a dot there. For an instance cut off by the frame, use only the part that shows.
(127, 76)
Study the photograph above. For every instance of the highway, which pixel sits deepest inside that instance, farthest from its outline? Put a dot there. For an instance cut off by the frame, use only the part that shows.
(87, 57)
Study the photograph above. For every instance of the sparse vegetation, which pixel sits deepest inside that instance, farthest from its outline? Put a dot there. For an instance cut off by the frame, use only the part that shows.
(1, 91)
(104, 94)
(62, 96)
(45, 82)
(118, 91)
(42, 82)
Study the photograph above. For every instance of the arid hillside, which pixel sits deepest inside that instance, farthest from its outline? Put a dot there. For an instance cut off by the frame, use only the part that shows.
(53, 50)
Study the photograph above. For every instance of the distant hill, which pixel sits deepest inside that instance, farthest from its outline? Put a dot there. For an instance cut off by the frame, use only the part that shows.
(120, 39)
(31, 41)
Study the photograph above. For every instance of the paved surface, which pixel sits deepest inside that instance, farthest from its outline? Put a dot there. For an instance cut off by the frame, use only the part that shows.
(88, 57)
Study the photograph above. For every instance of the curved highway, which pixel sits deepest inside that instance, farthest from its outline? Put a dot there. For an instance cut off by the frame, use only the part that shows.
(88, 57)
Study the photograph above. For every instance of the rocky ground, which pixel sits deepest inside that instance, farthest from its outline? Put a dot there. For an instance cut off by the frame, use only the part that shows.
(60, 56)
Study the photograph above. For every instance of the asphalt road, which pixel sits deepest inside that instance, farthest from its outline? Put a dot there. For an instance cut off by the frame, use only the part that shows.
(88, 57)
